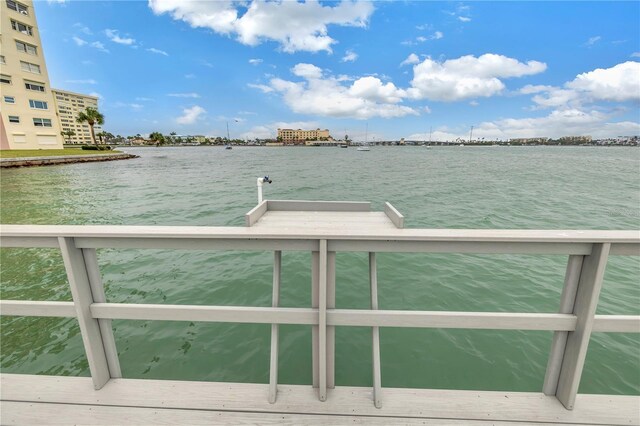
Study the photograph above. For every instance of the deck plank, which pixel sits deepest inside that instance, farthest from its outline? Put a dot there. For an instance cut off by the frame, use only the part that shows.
(21, 413)
(344, 401)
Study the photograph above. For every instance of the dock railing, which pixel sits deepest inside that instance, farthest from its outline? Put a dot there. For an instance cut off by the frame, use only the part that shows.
(572, 325)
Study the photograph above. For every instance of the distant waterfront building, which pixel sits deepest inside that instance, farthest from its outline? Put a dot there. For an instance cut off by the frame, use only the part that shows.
(575, 139)
(27, 118)
(68, 105)
(529, 140)
(291, 135)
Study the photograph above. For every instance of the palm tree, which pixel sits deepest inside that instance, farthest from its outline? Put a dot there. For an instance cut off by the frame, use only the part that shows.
(68, 133)
(91, 116)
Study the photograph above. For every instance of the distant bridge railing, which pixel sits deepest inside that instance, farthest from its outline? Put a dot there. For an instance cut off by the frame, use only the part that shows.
(587, 252)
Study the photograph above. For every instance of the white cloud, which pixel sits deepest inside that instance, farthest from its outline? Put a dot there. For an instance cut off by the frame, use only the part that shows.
(464, 18)
(530, 88)
(158, 51)
(190, 115)
(255, 61)
(190, 76)
(114, 36)
(96, 94)
(133, 106)
(474, 103)
(88, 81)
(421, 39)
(98, 45)
(619, 83)
(264, 88)
(142, 99)
(411, 59)
(184, 95)
(295, 26)
(467, 76)
(635, 55)
(349, 56)
(79, 41)
(593, 40)
(332, 96)
(83, 28)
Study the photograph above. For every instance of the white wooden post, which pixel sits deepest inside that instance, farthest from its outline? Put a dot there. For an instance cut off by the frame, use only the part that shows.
(331, 303)
(377, 380)
(275, 301)
(106, 331)
(567, 300)
(331, 330)
(584, 309)
(82, 299)
(322, 322)
(315, 268)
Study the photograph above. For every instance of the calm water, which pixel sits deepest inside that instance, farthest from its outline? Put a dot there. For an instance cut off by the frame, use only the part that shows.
(449, 187)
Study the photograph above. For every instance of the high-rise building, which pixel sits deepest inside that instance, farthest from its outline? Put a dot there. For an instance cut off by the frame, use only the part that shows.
(68, 105)
(27, 112)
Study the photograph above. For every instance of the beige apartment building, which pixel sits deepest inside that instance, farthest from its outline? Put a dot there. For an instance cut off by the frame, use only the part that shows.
(27, 112)
(290, 135)
(68, 105)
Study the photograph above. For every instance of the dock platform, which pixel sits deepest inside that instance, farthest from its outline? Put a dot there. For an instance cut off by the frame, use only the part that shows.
(28, 399)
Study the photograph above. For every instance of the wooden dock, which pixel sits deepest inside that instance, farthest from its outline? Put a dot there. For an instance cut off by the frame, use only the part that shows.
(30, 400)
(107, 398)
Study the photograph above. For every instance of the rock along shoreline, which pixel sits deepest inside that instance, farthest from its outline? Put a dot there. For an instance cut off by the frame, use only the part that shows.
(52, 161)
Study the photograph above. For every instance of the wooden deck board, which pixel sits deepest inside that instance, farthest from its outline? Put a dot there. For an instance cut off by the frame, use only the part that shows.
(21, 413)
(131, 395)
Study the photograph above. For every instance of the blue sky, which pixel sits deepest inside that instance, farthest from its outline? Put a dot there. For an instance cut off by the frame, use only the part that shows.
(510, 69)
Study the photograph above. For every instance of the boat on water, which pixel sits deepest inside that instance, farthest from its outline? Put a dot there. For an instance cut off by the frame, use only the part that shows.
(344, 146)
(228, 147)
(364, 148)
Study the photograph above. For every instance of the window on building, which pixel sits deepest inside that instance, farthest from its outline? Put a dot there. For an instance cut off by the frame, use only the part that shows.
(23, 28)
(18, 7)
(6, 79)
(26, 48)
(38, 87)
(2, 61)
(29, 67)
(38, 104)
(14, 119)
(10, 99)
(42, 122)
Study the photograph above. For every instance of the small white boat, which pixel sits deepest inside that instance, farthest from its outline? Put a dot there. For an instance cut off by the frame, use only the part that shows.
(364, 148)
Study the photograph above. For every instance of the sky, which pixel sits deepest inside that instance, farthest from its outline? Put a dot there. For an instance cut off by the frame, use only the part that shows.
(374, 70)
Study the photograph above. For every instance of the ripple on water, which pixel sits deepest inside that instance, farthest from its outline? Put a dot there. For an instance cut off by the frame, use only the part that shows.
(530, 188)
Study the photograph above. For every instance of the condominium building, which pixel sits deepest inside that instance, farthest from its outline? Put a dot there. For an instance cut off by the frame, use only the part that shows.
(286, 135)
(27, 113)
(68, 105)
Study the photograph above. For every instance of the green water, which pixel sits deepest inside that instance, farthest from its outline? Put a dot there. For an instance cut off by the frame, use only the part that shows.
(448, 187)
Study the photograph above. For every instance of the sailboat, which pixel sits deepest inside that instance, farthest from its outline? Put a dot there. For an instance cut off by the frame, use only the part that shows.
(365, 147)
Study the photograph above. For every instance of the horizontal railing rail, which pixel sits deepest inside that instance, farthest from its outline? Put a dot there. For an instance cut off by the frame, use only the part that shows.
(588, 253)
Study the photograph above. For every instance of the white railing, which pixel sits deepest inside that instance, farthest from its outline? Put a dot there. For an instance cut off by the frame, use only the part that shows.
(588, 252)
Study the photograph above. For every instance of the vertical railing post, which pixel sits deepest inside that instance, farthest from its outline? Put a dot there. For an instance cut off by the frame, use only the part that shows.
(322, 322)
(567, 300)
(584, 309)
(83, 298)
(315, 275)
(106, 331)
(331, 303)
(275, 301)
(375, 332)
(331, 330)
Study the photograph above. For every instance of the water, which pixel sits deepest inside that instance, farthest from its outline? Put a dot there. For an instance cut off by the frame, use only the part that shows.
(448, 187)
